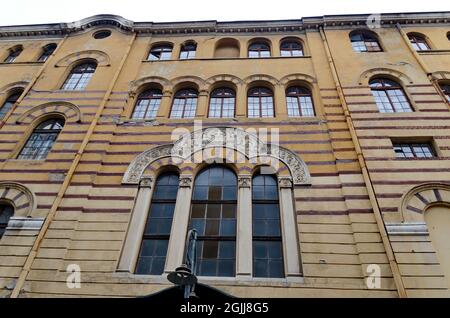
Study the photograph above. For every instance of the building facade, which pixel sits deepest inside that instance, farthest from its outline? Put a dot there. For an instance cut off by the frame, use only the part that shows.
(312, 156)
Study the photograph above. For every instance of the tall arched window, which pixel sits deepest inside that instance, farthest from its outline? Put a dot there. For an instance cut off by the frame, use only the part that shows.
(80, 76)
(267, 241)
(147, 104)
(260, 102)
(46, 52)
(6, 212)
(299, 102)
(389, 96)
(445, 89)
(418, 42)
(9, 103)
(222, 103)
(365, 41)
(184, 104)
(258, 50)
(213, 215)
(152, 256)
(188, 51)
(41, 140)
(160, 53)
(13, 53)
(291, 47)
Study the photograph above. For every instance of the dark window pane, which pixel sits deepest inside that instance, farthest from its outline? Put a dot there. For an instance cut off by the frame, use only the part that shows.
(201, 193)
(215, 193)
(198, 225)
(228, 228)
(212, 227)
(198, 211)
(210, 249)
(213, 211)
(226, 268)
(229, 211)
(227, 249)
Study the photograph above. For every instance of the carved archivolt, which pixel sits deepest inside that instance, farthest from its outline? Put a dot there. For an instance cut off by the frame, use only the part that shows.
(219, 137)
(101, 57)
(19, 196)
(417, 200)
(186, 79)
(13, 86)
(297, 77)
(261, 77)
(70, 112)
(223, 78)
(367, 75)
(161, 81)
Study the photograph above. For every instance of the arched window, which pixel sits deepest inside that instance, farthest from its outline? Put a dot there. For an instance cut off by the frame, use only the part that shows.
(147, 104)
(9, 103)
(160, 53)
(299, 102)
(445, 89)
(365, 41)
(13, 53)
(80, 76)
(47, 51)
(267, 241)
(6, 212)
(291, 48)
(259, 49)
(184, 104)
(188, 51)
(152, 256)
(260, 102)
(389, 96)
(213, 215)
(41, 140)
(222, 103)
(419, 42)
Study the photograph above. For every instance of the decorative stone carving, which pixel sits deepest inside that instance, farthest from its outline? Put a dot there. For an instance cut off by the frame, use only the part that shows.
(185, 182)
(146, 182)
(285, 182)
(219, 137)
(244, 181)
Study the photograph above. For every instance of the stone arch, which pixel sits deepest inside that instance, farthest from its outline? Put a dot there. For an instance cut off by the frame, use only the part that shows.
(261, 78)
(70, 112)
(101, 57)
(136, 85)
(441, 75)
(223, 78)
(365, 77)
(19, 196)
(415, 202)
(13, 86)
(297, 77)
(219, 137)
(201, 85)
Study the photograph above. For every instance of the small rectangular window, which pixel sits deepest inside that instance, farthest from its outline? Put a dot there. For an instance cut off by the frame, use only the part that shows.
(414, 150)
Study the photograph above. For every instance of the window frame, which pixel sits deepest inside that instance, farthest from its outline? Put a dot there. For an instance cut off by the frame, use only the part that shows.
(416, 40)
(259, 49)
(214, 94)
(298, 95)
(188, 54)
(385, 89)
(366, 37)
(291, 49)
(84, 67)
(150, 94)
(47, 51)
(412, 149)
(250, 94)
(13, 54)
(162, 48)
(9, 103)
(182, 95)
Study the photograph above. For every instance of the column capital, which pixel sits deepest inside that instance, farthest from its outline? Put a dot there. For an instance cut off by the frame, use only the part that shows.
(146, 182)
(185, 181)
(285, 182)
(244, 181)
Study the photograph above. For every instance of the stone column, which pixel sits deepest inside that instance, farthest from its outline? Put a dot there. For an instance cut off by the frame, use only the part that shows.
(241, 102)
(166, 105)
(244, 255)
(289, 228)
(280, 102)
(202, 103)
(130, 251)
(177, 241)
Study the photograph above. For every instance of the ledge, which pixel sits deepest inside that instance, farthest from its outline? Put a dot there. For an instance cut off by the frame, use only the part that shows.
(407, 228)
(22, 223)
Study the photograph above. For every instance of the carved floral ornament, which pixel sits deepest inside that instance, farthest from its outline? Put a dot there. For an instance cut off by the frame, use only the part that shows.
(242, 142)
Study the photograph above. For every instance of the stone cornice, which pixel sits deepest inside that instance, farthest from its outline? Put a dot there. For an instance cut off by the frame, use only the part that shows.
(199, 27)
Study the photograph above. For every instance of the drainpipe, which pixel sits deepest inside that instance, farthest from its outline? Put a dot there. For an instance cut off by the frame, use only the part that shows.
(32, 82)
(66, 183)
(376, 209)
(421, 63)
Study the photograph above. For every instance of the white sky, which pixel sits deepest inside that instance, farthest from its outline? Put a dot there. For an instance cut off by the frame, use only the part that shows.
(50, 11)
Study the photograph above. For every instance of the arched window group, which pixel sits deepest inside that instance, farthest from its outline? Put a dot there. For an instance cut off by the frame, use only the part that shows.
(389, 96)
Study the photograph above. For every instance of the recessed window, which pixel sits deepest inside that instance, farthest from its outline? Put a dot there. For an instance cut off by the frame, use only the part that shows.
(259, 50)
(9, 103)
(188, 51)
(260, 102)
(267, 241)
(102, 34)
(213, 215)
(222, 103)
(184, 104)
(446, 90)
(147, 104)
(152, 256)
(160, 53)
(227, 48)
(365, 41)
(46, 52)
(13, 53)
(6, 212)
(291, 48)
(41, 140)
(419, 42)
(419, 150)
(79, 77)
(299, 102)
(389, 96)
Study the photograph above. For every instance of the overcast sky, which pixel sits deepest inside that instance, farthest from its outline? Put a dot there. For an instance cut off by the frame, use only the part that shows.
(50, 11)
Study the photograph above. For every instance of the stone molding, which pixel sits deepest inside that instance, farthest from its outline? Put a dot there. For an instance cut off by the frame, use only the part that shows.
(407, 228)
(24, 223)
(69, 111)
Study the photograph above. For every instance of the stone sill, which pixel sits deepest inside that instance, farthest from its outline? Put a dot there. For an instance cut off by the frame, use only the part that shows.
(230, 59)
